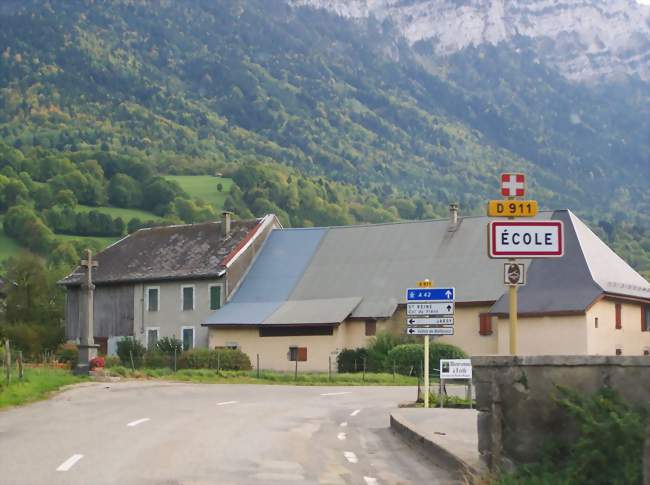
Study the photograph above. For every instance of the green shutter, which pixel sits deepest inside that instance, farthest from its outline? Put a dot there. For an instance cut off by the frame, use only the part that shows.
(215, 297)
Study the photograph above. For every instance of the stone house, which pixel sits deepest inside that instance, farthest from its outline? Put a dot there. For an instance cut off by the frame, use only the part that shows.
(313, 292)
(165, 281)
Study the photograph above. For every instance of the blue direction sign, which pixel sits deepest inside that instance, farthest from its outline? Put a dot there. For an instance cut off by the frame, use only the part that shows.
(430, 294)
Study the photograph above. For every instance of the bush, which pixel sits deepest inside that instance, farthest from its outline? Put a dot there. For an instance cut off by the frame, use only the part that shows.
(156, 359)
(350, 360)
(33, 339)
(608, 450)
(68, 353)
(225, 359)
(129, 347)
(97, 363)
(166, 345)
(408, 358)
(377, 354)
(111, 361)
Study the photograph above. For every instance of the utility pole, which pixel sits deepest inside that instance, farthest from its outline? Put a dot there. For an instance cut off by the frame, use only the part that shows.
(87, 347)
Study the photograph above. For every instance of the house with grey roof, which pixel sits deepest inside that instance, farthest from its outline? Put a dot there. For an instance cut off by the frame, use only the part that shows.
(313, 292)
(165, 281)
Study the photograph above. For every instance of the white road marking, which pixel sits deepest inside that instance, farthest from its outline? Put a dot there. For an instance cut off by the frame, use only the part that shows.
(137, 422)
(341, 436)
(336, 393)
(226, 402)
(354, 413)
(350, 456)
(69, 463)
(371, 481)
(344, 424)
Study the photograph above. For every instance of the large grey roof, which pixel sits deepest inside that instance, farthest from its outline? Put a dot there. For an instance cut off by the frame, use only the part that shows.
(374, 264)
(168, 252)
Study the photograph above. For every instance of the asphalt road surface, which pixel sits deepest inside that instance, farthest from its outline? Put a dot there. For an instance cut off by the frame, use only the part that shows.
(173, 433)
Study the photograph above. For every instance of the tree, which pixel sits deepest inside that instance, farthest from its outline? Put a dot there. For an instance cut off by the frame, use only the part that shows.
(124, 191)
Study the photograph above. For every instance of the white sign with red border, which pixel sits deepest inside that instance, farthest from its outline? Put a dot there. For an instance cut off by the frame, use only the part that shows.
(515, 239)
(513, 184)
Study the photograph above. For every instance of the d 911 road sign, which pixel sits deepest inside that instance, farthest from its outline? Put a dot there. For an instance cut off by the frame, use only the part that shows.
(538, 239)
(513, 184)
(512, 208)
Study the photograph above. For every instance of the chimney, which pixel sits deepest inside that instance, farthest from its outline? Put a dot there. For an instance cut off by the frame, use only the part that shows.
(227, 218)
(453, 216)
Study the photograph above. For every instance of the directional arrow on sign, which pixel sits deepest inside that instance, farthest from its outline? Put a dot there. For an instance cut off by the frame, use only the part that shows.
(430, 330)
(425, 309)
(430, 321)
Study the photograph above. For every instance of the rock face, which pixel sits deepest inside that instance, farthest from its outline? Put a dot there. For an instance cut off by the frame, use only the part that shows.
(587, 40)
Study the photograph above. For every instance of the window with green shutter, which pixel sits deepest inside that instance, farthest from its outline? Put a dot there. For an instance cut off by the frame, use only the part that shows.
(215, 297)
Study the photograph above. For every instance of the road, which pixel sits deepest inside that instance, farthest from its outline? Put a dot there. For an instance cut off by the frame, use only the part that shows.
(176, 433)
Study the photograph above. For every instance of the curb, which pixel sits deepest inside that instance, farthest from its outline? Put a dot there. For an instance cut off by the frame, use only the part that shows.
(432, 449)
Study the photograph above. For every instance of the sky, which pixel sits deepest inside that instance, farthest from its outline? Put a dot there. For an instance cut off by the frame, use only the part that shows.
(646, 2)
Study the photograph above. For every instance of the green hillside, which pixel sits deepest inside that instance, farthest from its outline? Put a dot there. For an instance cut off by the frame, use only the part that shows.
(315, 118)
(204, 187)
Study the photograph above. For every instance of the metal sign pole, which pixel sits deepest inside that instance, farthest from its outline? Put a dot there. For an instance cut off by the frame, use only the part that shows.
(426, 371)
(512, 297)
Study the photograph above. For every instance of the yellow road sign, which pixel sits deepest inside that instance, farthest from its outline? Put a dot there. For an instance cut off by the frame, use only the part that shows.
(425, 284)
(512, 208)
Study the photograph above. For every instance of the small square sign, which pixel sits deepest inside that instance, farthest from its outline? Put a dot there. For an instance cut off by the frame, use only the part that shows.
(513, 184)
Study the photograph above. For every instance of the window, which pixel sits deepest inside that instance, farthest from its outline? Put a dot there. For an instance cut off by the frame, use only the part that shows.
(619, 323)
(485, 324)
(298, 354)
(232, 345)
(153, 299)
(646, 352)
(645, 318)
(187, 334)
(371, 328)
(152, 337)
(596, 322)
(619, 351)
(215, 297)
(187, 295)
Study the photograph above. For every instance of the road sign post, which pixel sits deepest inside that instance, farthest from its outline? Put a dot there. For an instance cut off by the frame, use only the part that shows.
(429, 312)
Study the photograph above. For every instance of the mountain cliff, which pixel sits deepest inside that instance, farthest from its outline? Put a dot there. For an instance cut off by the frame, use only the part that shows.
(587, 40)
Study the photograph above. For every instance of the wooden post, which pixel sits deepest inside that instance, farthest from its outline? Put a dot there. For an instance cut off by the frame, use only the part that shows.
(19, 361)
(8, 361)
(258, 366)
(364, 370)
(329, 368)
(295, 375)
(218, 362)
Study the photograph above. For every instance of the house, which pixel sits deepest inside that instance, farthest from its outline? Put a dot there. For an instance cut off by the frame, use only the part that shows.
(165, 281)
(313, 292)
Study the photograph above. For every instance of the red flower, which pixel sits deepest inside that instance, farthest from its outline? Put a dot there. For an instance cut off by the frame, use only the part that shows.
(97, 362)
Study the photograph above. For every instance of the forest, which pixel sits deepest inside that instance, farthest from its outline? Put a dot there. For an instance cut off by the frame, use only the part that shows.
(317, 119)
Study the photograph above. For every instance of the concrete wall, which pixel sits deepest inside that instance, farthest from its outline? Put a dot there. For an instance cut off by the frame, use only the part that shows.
(560, 335)
(170, 317)
(515, 399)
(605, 339)
(273, 351)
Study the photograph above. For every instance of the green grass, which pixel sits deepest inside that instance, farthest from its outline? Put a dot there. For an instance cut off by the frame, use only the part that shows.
(204, 187)
(105, 241)
(125, 214)
(266, 377)
(38, 384)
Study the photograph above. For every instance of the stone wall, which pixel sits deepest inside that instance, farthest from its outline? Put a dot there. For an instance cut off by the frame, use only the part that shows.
(515, 399)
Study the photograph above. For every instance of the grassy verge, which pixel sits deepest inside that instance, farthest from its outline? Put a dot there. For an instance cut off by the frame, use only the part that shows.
(204, 187)
(37, 384)
(266, 377)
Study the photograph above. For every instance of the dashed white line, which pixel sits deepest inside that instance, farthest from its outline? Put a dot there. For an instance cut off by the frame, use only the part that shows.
(344, 424)
(350, 456)
(69, 463)
(137, 422)
(226, 403)
(354, 413)
(371, 481)
(341, 436)
(336, 393)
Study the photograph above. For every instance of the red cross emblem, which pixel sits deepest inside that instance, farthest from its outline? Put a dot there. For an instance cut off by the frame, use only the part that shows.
(513, 184)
